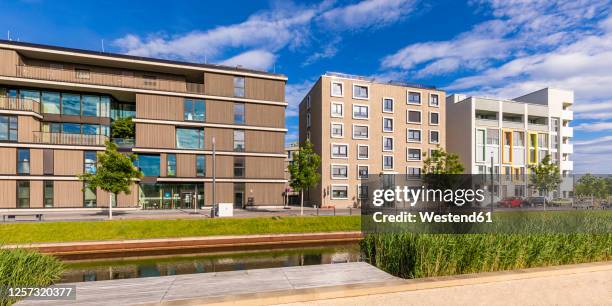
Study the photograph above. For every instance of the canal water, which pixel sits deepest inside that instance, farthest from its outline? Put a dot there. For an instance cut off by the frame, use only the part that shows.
(122, 268)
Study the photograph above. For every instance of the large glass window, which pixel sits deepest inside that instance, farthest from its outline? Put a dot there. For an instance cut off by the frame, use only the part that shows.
(90, 162)
(238, 166)
(238, 141)
(89, 197)
(238, 86)
(189, 138)
(71, 104)
(171, 165)
(91, 129)
(51, 102)
(23, 161)
(32, 95)
(200, 165)
(239, 113)
(48, 194)
(148, 164)
(23, 194)
(105, 105)
(194, 110)
(71, 128)
(8, 128)
(480, 145)
(91, 106)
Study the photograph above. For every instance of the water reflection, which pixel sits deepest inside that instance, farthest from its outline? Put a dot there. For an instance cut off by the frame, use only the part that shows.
(87, 271)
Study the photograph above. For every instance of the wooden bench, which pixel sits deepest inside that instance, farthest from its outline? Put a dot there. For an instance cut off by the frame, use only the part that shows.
(14, 216)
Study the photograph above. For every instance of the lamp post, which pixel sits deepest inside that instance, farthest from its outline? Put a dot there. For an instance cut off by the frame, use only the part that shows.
(214, 174)
(492, 191)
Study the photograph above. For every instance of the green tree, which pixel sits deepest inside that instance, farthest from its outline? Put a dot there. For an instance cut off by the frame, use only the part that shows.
(545, 176)
(304, 171)
(442, 162)
(115, 173)
(123, 128)
(590, 185)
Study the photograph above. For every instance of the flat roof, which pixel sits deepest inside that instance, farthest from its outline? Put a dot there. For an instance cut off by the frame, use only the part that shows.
(139, 58)
(374, 80)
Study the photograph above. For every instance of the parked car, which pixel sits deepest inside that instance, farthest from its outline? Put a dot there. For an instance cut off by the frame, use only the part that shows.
(511, 202)
(537, 201)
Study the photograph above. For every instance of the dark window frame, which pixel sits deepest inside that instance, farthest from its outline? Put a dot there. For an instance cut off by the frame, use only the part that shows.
(20, 162)
(18, 186)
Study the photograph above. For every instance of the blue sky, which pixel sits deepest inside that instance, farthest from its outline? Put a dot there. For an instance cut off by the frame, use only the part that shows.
(487, 47)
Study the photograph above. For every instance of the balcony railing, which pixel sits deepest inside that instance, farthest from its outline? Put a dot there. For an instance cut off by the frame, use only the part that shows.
(124, 142)
(69, 139)
(19, 104)
(107, 79)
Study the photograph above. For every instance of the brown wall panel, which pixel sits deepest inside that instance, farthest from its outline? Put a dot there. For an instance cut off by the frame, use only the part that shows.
(225, 166)
(265, 193)
(36, 194)
(218, 84)
(262, 141)
(185, 165)
(8, 161)
(219, 111)
(155, 135)
(8, 195)
(224, 193)
(8, 62)
(265, 167)
(262, 89)
(224, 139)
(163, 166)
(159, 107)
(36, 161)
(26, 126)
(67, 194)
(67, 162)
(265, 115)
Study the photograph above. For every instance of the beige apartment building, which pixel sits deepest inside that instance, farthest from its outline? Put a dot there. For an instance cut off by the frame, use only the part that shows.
(58, 105)
(361, 128)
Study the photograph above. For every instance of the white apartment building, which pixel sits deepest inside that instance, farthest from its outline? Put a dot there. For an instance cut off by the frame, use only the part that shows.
(507, 136)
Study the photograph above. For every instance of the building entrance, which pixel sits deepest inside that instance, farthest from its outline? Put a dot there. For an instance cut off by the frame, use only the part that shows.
(171, 196)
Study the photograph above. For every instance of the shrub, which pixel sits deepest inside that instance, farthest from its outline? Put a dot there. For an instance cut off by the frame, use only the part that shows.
(26, 268)
(410, 255)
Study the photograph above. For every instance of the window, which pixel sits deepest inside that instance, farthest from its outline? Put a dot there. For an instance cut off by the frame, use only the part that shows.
(91, 106)
(23, 161)
(200, 165)
(414, 154)
(339, 192)
(47, 194)
(149, 80)
(363, 152)
(308, 101)
(171, 165)
(387, 124)
(362, 192)
(238, 141)
(50, 102)
(360, 131)
(387, 105)
(90, 198)
(71, 104)
(105, 103)
(238, 86)
(339, 151)
(413, 171)
(414, 116)
(363, 172)
(492, 137)
(238, 166)
(31, 95)
(90, 162)
(337, 110)
(361, 92)
(480, 145)
(194, 110)
(337, 89)
(239, 113)
(337, 130)
(23, 194)
(8, 128)
(308, 122)
(414, 98)
(387, 143)
(189, 138)
(360, 112)
(71, 128)
(387, 162)
(434, 118)
(90, 129)
(434, 137)
(82, 73)
(339, 171)
(414, 135)
(507, 148)
(433, 100)
(148, 164)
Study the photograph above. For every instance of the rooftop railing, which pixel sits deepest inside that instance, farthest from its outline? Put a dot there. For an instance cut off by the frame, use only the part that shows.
(19, 104)
(107, 79)
(371, 79)
(69, 139)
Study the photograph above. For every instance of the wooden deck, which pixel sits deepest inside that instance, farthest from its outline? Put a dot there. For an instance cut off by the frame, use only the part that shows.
(220, 284)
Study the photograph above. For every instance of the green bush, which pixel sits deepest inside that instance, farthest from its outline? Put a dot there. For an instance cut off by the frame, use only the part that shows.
(410, 255)
(26, 268)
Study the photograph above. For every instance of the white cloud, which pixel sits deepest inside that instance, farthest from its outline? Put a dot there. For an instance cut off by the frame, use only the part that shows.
(294, 93)
(368, 13)
(254, 59)
(594, 126)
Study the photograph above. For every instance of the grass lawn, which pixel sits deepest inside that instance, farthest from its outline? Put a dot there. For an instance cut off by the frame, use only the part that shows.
(17, 233)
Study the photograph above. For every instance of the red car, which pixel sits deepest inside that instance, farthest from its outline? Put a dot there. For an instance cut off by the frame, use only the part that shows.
(511, 202)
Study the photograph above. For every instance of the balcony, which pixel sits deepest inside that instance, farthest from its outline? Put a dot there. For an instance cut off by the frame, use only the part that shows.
(19, 104)
(107, 79)
(567, 115)
(567, 165)
(487, 122)
(567, 148)
(567, 131)
(69, 139)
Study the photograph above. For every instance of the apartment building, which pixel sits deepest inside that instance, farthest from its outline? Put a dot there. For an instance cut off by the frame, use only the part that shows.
(361, 127)
(58, 105)
(507, 136)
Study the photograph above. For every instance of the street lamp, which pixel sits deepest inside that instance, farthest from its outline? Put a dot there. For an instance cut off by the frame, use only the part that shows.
(214, 175)
(492, 152)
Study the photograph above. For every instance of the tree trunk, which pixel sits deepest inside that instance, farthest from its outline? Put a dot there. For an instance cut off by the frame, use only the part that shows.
(301, 202)
(110, 206)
